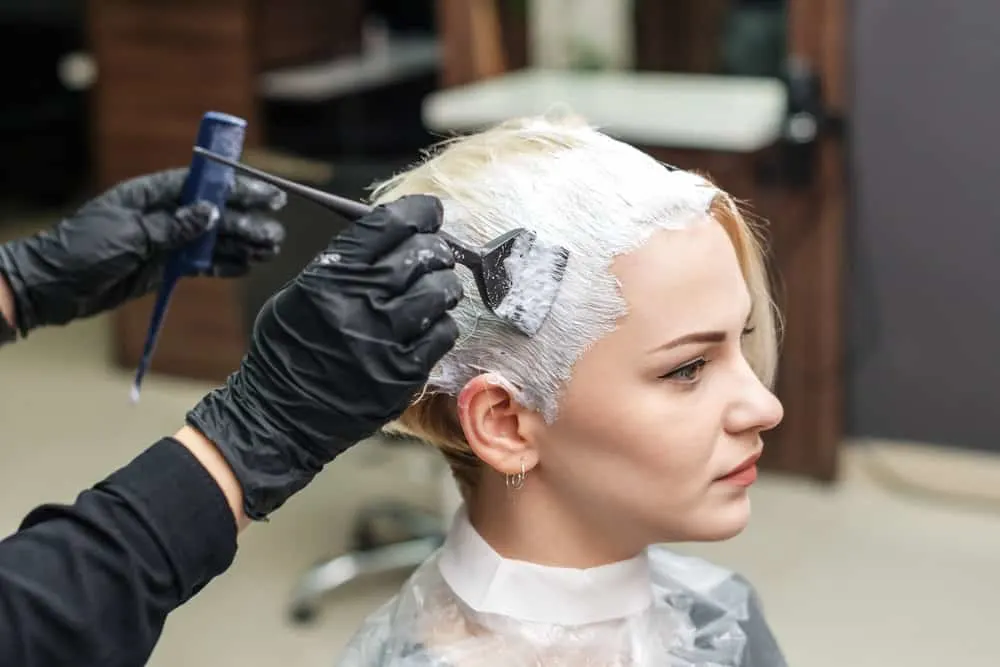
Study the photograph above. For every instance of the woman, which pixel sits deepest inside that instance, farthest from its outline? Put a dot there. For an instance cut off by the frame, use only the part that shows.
(632, 418)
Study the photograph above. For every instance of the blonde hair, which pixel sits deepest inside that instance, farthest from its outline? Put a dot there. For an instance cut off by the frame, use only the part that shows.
(562, 179)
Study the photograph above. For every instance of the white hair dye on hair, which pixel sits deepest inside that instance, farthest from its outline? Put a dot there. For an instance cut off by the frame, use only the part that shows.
(573, 186)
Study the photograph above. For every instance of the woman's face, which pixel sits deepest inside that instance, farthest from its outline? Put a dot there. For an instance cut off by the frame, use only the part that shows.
(660, 412)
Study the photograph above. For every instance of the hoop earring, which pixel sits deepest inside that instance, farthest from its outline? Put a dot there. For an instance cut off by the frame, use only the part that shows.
(516, 481)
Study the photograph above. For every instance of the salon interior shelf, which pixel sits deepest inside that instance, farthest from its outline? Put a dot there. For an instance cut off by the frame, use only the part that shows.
(394, 60)
(704, 112)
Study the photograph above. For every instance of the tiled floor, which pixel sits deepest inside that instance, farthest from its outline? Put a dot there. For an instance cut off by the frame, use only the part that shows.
(852, 575)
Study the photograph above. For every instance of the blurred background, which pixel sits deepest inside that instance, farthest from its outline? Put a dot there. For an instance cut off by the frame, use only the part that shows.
(863, 132)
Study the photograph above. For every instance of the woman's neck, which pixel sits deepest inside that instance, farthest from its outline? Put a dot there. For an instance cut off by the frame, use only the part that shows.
(529, 525)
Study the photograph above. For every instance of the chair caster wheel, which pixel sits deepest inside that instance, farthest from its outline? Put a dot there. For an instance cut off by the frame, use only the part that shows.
(303, 615)
(365, 538)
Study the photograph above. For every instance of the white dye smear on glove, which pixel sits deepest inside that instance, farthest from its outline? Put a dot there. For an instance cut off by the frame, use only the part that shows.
(571, 186)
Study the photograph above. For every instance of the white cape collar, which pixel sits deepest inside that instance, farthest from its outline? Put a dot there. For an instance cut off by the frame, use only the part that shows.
(489, 583)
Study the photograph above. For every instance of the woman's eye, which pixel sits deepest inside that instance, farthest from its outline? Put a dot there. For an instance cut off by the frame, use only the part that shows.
(749, 330)
(687, 373)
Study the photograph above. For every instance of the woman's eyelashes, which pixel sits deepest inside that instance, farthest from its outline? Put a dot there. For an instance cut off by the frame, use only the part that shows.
(690, 372)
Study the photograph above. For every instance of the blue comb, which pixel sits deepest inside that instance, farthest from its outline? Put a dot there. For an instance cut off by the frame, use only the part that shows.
(207, 181)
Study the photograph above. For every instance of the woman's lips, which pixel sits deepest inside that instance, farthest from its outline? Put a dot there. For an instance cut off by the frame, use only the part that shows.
(744, 474)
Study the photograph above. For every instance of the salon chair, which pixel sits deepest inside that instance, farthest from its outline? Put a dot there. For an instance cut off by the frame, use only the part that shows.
(387, 536)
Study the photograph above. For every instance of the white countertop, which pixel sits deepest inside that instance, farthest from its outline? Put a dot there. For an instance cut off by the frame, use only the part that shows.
(401, 58)
(727, 113)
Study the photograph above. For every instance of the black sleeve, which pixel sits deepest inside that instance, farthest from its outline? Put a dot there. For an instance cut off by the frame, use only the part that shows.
(92, 583)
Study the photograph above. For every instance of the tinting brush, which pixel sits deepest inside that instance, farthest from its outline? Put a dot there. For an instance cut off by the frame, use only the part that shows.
(518, 278)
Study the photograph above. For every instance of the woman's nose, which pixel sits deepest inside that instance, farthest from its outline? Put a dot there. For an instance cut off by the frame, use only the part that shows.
(756, 408)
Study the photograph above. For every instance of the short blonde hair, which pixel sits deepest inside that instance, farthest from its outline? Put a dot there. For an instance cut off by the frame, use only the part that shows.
(482, 175)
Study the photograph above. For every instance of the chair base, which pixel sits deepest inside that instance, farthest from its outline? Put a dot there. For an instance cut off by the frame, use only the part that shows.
(418, 534)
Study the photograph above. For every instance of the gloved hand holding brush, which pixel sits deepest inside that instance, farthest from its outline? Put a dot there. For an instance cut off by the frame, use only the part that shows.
(337, 353)
(114, 248)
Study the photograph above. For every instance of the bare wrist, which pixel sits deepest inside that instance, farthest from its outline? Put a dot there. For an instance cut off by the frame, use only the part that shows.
(209, 456)
(7, 309)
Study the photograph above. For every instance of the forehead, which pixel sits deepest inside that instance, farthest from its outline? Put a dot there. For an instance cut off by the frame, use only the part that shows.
(681, 281)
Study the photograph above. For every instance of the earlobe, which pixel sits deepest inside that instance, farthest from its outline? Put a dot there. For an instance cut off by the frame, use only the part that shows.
(494, 424)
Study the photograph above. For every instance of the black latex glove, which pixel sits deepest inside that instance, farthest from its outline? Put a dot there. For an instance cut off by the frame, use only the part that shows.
(337, 353)
(115, 248)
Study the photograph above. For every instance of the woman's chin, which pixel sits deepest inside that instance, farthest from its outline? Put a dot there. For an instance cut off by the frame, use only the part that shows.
(732, 519)
(719, 523)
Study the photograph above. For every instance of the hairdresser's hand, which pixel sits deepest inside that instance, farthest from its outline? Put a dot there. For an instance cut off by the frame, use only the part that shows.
(337, 353)
(115, 247)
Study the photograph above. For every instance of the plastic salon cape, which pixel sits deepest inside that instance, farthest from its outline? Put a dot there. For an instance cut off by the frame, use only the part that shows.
(469, 607)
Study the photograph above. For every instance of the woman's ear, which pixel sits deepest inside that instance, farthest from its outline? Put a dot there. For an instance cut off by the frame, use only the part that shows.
(496, 426)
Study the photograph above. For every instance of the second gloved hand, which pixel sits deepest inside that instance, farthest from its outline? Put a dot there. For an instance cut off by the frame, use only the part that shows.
(337, 353)
(116, 246)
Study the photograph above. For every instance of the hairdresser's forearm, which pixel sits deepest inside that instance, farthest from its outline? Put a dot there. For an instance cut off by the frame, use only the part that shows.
(210, 458)
(92, 583)
(7, 310)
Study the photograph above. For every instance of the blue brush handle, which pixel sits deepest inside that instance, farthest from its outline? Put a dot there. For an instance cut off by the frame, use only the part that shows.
(207, 181)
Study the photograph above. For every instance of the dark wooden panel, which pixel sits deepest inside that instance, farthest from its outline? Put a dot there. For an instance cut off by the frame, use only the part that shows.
(834, 56)
(514, 25)
(454, 21)
(291, 32)
(203, 337)
(680, 35)
(817, 33)
(456, 44)
(161, 66)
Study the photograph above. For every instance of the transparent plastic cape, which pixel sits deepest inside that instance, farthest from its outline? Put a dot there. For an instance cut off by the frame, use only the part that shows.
(702, 616)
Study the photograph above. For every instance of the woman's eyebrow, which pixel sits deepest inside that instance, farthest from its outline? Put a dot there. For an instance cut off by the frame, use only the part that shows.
(697, 337)
(702, 337)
